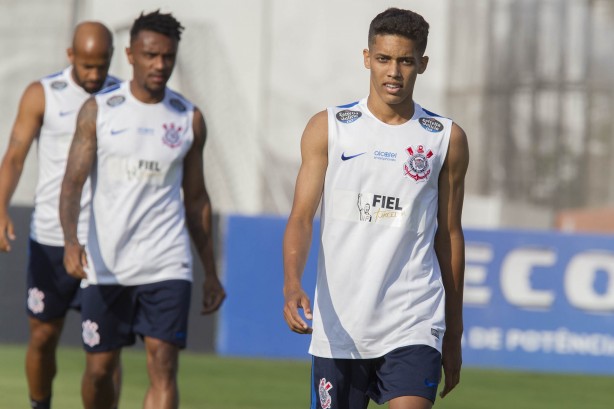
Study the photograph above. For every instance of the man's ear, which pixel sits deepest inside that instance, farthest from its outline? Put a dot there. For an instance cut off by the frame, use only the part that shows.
(424, 62)
(129, 55)
(365, 54)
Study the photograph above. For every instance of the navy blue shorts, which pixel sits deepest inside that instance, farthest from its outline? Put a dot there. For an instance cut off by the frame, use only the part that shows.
(414, 370)
(50, 290)
(112, 315)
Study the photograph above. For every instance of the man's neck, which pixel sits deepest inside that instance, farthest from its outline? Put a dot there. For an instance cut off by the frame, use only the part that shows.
(144, 95)
(396, 114)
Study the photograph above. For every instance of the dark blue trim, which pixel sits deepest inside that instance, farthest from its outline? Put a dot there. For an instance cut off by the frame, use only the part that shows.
(314, 397)
(113, 78)
(55, 74)
(432, 113)
(108, 89)
(348, 105)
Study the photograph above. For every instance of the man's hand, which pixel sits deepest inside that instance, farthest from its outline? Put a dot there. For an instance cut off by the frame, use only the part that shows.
(7, 233)
(293, 300)
(451, 362)
(213, 294)
(75, 260)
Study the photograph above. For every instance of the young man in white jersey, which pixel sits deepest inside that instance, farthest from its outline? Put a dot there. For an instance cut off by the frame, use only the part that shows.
(143, 145)
(388, 306)
(47, 112)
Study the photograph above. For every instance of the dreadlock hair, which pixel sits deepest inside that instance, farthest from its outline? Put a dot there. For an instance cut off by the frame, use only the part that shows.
(400, 22)
(157, 22)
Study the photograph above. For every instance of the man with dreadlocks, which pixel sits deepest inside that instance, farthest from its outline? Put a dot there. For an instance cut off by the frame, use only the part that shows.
(143, 145)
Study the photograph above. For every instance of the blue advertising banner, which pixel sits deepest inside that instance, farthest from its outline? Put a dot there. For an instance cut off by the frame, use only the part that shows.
(533, 300)
(539, 301)
(252, 321)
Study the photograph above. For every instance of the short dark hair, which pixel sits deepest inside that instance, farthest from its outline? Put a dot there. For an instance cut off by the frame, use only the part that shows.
(157, 22)
(400, 22)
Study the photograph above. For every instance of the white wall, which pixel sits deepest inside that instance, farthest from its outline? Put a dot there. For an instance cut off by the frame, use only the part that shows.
(258, 69)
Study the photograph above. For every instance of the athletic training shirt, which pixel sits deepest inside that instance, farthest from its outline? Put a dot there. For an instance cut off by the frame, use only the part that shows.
(137, 229)
(63, 99)
(379, 284)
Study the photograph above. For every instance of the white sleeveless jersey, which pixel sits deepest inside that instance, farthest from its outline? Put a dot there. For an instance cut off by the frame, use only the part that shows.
(63, 99)
(137, 229)
(379, 284)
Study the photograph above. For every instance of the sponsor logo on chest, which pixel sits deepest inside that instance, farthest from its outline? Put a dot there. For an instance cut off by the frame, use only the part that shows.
(376, 208)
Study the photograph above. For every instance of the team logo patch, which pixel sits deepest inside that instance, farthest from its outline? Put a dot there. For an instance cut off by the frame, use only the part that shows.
(172, 135)
(177, 104)
(90, 334)
(35, 300)
(417, 166)
(435, 333)
(431, 124)
(59, 85)
(347, 117)
(116, 100)
(325, 399)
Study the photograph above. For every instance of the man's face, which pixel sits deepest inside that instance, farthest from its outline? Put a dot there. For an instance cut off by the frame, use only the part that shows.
(395, 63)
(152, 56)
(90, 69)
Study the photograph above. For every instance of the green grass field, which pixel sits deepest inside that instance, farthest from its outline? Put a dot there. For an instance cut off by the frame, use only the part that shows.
(210, 382)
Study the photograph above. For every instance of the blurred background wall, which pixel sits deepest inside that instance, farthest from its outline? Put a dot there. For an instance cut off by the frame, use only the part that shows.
(530, 81)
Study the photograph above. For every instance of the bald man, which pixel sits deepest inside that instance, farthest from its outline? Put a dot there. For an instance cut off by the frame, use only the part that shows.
(48, 112)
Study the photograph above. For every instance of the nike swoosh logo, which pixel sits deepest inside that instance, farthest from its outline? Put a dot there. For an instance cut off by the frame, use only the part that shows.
(64, 113)
(118, 131)
(343, 157)
(430, 384)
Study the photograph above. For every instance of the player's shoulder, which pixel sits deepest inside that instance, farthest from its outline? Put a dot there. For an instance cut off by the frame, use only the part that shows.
(55, 82)
(112, 96)
(315, 134)
(348, 113)
(458, 135)
(177, 102)
(318, 120)
(437, 124)
(431, 121)
(111, 81)
(33, 98)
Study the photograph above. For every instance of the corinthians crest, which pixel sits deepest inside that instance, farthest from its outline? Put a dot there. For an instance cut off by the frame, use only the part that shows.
(172, 135)
(325, 398)
(417, 166)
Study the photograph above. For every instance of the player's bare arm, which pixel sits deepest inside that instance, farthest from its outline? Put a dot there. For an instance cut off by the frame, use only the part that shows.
(80, 160)
(450, 249)
(198, 215)
(297, 238)
(25, 129)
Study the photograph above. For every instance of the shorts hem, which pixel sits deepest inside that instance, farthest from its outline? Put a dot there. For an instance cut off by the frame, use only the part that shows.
(392, 395)
(178, 344)
(40, 318)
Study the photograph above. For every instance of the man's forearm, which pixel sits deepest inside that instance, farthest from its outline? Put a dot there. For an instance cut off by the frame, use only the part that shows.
(450, 249)
(199, 222)
(10, 174)
(297, 241)
(70, 207)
